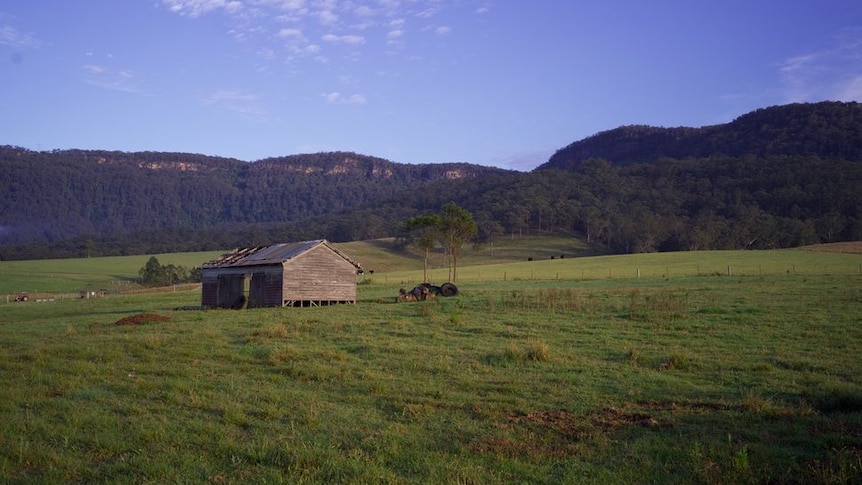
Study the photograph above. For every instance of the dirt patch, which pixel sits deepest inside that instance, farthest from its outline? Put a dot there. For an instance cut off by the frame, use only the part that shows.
(850, 247)
(557, 433)
(142, 319)
(613, 418)
(607, 419)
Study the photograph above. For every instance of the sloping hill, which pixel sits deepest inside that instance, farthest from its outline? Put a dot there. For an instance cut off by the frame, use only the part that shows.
(831, 130)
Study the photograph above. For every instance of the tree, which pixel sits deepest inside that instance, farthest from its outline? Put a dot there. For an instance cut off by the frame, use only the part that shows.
(153, 273)
(424, 231)
(457, 227)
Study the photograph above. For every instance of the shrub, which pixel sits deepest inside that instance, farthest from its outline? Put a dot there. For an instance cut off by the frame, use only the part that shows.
(677, 361)
(538, 351)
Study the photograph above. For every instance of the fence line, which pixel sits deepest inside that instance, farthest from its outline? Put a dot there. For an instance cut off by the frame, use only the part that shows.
(45, 297)
(546, 273)
(163, 289)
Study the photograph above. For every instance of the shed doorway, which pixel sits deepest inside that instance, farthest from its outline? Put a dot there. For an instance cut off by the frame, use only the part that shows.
(255, 288)
(242, 290)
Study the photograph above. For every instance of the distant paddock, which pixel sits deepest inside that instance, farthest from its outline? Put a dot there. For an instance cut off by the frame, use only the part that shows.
(49, 297)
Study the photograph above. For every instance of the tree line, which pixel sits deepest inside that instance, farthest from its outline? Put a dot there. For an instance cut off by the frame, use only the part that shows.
(153, 273)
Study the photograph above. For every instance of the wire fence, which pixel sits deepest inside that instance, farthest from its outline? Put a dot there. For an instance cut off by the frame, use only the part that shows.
(596, 272)
(87, 294)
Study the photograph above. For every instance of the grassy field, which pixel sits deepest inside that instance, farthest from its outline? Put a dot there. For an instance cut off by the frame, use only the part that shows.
(379, 256)
(72, 275)
(521, 258)
(570, 370)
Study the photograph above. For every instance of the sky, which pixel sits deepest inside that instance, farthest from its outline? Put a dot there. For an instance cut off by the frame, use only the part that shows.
(501, 83)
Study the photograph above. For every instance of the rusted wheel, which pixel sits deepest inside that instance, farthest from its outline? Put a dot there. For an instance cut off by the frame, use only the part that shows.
(448, 289)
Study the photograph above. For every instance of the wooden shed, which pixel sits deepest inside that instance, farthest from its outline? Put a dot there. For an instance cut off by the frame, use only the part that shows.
(309, 273)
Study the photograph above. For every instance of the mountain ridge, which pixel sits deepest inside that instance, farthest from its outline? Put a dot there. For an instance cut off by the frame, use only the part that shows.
(828, 129)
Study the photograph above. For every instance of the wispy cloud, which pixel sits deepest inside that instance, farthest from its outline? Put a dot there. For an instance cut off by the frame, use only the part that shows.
(395, 33)
(122, 80)
(834, 72)
(428, 12)
(344, 39)
(337, 98)
(10, 36)
(297, 44)
(196, 8)
(239, 102)
(331, 21)
(291, 33)
(326, 31)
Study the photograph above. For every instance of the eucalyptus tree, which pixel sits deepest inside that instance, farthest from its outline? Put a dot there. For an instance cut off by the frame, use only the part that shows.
(424, 231)
(457, 227)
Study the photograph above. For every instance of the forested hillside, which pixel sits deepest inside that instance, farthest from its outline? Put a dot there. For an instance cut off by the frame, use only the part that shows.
(51, 198)
(829, 130)
(778, 177)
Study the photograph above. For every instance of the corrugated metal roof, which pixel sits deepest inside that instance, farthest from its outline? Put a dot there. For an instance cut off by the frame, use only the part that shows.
(266, 255)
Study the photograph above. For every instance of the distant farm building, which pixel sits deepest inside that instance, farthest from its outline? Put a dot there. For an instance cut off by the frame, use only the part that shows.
(309, 273)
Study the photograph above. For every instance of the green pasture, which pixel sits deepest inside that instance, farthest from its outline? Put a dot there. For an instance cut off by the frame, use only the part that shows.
(380, 256)
(652, 265)
(72, 275)
(517, 258)
(689, 373)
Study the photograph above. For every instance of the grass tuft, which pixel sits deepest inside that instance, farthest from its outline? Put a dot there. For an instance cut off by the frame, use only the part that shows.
(633, 357)
(676, 361)
(538, 351)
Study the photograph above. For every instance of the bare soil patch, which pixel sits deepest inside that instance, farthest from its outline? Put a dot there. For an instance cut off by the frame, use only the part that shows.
(553, 433)
(849, 247)
(142, 319)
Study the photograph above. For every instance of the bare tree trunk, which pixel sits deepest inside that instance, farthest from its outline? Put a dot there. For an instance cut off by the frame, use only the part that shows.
(454, 267)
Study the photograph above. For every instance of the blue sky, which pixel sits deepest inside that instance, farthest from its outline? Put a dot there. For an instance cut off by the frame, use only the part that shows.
(494, 82)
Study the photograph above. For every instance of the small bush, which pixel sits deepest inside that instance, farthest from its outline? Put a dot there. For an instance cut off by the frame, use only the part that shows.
(676, 361)
(273, 331)
(538, 351)
(754, 402)
(633, 357)
(512, 354)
